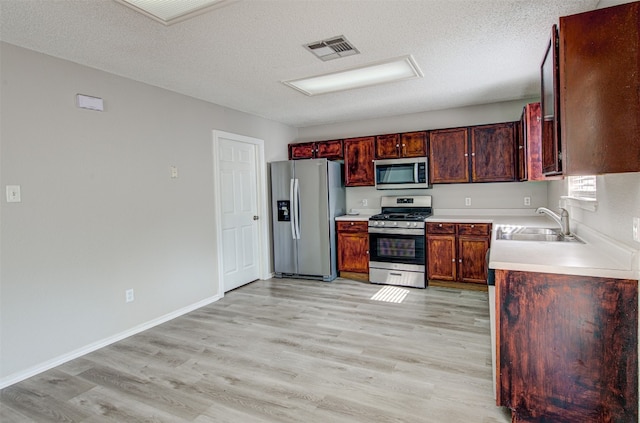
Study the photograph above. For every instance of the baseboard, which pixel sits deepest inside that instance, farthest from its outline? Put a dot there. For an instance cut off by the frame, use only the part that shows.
(50, 364)
(459, 285)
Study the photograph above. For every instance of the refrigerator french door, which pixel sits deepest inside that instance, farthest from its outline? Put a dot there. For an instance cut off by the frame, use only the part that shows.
(306, 195)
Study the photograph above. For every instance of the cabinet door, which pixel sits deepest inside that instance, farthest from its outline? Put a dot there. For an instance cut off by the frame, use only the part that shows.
(413, 144)
(305, 150)
(550, 105)
(388, 146)
(600, 90)
(353, 252)
(521, 143)
(472, 259)
(358, 162)
(567, 347)
(331, 150)
(441, 257)
(493, 152)
(449, 156)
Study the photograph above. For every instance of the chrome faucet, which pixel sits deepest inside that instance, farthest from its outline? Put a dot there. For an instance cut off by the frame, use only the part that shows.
(562, 219)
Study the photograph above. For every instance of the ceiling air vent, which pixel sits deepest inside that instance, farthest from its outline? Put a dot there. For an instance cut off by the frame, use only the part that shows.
(332, 48)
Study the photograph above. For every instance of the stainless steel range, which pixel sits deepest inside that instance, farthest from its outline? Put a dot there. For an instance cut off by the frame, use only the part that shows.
(397, 241)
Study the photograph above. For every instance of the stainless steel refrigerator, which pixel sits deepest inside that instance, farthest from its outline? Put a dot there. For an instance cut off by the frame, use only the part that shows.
(306, 197)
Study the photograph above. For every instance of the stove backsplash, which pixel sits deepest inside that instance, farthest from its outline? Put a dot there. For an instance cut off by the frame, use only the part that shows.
(497, 195)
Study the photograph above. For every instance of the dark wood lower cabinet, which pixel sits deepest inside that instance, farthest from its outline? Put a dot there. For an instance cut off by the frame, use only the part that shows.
(353, 248)
(567, 347)
(457, 251)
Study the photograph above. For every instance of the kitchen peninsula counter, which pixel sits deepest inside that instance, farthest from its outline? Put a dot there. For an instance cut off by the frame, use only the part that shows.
(597, 256)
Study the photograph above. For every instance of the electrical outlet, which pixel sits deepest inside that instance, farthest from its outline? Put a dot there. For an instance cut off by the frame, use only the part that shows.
(636, 229)
(128, 295)
(365, 202)
(527, 201)
(174, 172)
(467, 201)
(13, 194)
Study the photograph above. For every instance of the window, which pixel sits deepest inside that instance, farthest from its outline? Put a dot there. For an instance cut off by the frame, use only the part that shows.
(582, 187)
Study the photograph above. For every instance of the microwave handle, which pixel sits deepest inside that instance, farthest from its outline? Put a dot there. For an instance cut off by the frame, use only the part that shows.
(415, 172)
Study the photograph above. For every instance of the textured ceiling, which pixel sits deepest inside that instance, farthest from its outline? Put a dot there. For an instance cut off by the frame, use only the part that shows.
(470, 51)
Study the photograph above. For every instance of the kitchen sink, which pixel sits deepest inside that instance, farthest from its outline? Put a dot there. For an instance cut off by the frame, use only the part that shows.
(524, 233)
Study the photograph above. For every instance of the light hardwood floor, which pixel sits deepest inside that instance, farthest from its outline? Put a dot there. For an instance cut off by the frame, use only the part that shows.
(284, 350)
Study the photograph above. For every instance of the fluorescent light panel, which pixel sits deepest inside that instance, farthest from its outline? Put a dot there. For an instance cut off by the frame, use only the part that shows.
(171, 11)
(392, 70)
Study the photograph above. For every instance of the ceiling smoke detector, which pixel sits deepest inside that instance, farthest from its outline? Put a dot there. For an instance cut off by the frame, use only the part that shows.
(333, 48)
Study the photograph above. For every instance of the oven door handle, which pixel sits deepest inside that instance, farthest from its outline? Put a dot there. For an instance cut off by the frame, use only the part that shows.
(397, 231)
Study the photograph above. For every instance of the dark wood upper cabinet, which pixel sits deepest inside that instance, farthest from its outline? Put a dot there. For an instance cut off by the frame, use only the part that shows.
(449, 156)
(304, 150)
(530, 145)
(492, 157)
(550, 107)
(521, 152)
(414, 144)
(388, 146)
(600, 90)
(493, 152)
(331, 150)
(408, 144)
(358, 161)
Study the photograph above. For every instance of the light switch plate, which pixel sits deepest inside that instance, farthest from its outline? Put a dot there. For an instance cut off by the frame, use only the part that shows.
(13, 194)
(467, 201)
(636, 229)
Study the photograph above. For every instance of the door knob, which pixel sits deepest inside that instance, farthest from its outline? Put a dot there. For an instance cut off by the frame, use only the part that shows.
(256, 217)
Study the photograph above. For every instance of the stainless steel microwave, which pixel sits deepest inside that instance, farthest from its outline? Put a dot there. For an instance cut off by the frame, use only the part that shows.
(402, 173)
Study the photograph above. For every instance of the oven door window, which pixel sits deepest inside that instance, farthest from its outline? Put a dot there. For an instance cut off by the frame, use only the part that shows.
(391, 248)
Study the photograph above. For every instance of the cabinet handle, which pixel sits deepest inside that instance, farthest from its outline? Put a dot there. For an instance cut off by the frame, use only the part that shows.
(466, 155)
(397, 145)
(520, 147)
(352, 223)
(460, 261)
(404, 145)
(473, 154)
(473, 226)
(440, 225)
(453, 260)
(367, 252)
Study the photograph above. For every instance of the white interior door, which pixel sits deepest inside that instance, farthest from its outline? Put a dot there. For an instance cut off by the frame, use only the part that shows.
(239, 212)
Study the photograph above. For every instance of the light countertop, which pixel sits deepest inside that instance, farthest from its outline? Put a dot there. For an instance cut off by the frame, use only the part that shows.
(597, 256)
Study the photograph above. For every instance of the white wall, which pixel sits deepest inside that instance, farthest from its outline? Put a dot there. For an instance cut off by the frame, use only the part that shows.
(618, 203)
(445, 197)
(99, 212)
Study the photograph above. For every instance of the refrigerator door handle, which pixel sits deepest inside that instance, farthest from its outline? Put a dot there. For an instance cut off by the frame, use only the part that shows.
(296, 207)
(292, 217)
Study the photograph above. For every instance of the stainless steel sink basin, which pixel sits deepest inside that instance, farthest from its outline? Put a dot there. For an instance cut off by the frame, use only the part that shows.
(523, 233)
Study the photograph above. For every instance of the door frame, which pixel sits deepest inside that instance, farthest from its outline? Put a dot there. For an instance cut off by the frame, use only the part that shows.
(262, 205)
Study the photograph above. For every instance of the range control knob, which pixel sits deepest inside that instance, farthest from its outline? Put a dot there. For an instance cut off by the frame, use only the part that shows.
(395, 223)
(415, 223)
(409, 224)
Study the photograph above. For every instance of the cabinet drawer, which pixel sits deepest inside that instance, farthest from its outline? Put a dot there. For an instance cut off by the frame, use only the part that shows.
(353, 226)
(474, 228)
(441, 228)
